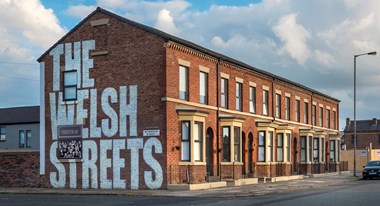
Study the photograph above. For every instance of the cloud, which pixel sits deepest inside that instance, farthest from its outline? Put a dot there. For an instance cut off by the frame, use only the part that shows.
(294, 36)
(165, 22)
(293, 39)
(80, 11)
(31, 21)
(27, 29)
(145, 11)
(324, 58)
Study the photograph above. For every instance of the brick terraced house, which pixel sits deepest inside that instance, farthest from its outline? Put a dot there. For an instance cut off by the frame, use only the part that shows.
(367, 133)
(127, 106)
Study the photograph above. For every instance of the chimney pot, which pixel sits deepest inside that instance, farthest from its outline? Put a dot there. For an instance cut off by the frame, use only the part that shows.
(348, 121)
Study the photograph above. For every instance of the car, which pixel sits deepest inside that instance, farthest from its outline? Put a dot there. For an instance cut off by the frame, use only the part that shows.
(371, 169)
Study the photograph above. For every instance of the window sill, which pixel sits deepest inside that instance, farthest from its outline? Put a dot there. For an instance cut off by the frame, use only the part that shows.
(231, 163)
(272, 163)
(288, 163)
(69, 102)
(69, 160)
(192, 163)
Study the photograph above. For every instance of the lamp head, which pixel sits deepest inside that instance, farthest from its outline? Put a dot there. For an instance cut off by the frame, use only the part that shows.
(372, 53)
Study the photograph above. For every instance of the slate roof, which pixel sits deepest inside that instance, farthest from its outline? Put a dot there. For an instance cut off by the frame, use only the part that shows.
(363, 126)
(20, 115)
(168, 37)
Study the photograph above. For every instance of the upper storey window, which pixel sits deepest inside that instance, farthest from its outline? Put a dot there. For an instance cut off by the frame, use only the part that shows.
(183, 83)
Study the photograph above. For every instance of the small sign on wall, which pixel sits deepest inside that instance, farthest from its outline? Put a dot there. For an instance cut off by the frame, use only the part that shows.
(363, 153)
(151, 133)
(69, 142)
(378, 153)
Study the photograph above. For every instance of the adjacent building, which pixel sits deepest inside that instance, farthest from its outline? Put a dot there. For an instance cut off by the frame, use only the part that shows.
(20, 128)
(367, 133)
(126, 106)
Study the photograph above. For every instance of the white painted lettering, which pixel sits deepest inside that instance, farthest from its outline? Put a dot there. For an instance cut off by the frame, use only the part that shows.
(87, 63)
(135, 145)
(128, 110)
(82, 113)
(105, 163)
(56, 53)
(60, 181)
(72, 62)
(89, 165)
(94, 129)
(153, 163)
(73, 174)
(118, 163)
(109, 128)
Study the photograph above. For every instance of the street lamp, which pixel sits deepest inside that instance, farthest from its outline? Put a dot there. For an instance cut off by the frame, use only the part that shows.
(369, 53)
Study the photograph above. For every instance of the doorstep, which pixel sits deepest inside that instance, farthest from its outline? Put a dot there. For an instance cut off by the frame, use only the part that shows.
(281, 178)
(241, 182)
(200, 186)
(324, 174)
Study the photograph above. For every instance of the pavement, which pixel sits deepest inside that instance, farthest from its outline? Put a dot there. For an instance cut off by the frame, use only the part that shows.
(309, 182)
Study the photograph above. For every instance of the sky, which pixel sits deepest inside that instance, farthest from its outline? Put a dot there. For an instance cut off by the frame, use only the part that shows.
(310, 42)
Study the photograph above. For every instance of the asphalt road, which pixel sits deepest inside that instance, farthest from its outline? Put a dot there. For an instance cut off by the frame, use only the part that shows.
(359, 192)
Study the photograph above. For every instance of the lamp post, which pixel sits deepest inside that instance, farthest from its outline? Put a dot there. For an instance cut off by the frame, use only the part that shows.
(355, 56)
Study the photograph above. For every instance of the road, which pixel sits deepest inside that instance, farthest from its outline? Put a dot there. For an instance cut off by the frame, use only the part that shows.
(353, 193)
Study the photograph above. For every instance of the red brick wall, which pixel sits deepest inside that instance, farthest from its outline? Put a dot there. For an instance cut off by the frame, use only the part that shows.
(363, 140)
(20, 170)
(135, 57)
(249, 125)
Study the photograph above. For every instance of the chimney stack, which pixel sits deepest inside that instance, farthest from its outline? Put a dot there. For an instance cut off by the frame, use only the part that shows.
(348, 121)
(374, 121)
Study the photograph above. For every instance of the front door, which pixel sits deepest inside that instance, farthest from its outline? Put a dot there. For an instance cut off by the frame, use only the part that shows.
(209, 152)
(243, 153)
(295, 154)
(250, 151)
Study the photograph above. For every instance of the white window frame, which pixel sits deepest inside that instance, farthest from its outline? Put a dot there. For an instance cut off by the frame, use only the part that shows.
(3, 134)
(303, 146)
(203, 87)
(21, 138)
(67, 86)
(231, 124)
(252, 99)
(298, 110)
(321, 116)
(306, 113)
(183, 83)
(328, 118)
(269, 131)
(265, 102)
(314, 115)
(287, 108)
(280, 147)
(261, 146)
(224, 93)
(239, 92)
(194, 118)
(278, 106)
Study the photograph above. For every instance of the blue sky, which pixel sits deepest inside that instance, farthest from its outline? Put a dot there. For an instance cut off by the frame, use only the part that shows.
(69, 21)
(309, 42)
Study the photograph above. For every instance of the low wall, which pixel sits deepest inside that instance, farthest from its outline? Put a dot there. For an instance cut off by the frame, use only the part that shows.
(20, 169)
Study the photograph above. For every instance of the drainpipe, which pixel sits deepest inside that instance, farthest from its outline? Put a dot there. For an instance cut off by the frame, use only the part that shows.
(273, 101)
(217, 117)
(311, 103)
